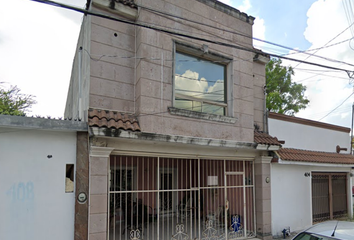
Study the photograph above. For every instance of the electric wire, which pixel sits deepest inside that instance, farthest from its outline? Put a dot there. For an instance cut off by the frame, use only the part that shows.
(208, 34)
(312, 54)
(100, 58)
(336, 107)
(348, 14)
(197, 38)
(160, 13)
(258, 52)
(319, 74)
(320, 48)
(167, 111)
(342, 109)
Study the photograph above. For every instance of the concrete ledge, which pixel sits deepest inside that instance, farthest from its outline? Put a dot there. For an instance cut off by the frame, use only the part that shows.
(42, 123)
(119, 133)
(117, 8)
(264, 59)
(201, 115)
(228, 10)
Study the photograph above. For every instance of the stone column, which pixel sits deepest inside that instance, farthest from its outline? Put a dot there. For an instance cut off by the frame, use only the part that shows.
(81, 186)
(98, 209)
(263, 198)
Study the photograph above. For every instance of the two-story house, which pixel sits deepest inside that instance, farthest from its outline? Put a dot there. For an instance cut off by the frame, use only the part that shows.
(172, 92)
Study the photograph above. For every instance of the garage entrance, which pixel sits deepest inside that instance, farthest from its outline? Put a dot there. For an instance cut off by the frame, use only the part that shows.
(329, 196)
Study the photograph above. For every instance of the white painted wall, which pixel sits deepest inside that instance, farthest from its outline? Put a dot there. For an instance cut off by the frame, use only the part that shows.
(308, 137)
(291, 195)
(34, 204)
(291, 192)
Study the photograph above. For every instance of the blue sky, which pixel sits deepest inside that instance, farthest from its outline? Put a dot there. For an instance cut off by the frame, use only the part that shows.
(285, 21)
(304, 25)
(37, 46)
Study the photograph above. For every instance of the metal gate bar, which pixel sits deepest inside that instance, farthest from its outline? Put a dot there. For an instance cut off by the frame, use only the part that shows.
(329, 196)
(179, 198)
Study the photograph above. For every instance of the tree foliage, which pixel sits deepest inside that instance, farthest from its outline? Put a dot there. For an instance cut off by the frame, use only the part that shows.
(283, 95)
(13, 102)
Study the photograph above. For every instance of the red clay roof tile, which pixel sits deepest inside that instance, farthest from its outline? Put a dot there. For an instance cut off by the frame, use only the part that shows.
(290, 154)
(111, 119)
(264, 138)
(129, 3)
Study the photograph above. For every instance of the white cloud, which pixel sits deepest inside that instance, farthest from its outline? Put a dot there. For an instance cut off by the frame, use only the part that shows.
(185, 82)
(259, 32)
(246, 5)
(189, 85)
(37, 45)
(198, 88)
(326, 89)
(259, 23)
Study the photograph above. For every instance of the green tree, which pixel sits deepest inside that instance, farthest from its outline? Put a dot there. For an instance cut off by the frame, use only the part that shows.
(283, 95)
(13, 102)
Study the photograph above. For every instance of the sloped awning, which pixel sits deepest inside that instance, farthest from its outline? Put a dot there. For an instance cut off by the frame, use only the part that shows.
(106, 123)
(265, 141)
(112, 120)
(306, 156)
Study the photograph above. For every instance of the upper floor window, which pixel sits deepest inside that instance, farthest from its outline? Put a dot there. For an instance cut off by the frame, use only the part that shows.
(200, 82)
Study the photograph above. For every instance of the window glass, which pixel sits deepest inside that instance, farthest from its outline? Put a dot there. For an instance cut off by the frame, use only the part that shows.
(311, 236)
(69, 178)
(200, 84)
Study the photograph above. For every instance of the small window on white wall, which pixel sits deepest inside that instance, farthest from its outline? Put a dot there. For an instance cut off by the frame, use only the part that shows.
(69, 178)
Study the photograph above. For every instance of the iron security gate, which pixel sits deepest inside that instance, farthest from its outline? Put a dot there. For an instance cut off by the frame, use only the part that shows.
(176, 198)
(329, 196)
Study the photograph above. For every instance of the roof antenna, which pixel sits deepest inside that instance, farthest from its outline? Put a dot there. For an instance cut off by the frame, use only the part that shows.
(334, 231)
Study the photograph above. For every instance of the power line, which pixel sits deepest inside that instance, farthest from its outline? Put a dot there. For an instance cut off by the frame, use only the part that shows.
(337, 106)
(200, 92)
(196, 79)
(157, 12)
(313, 54)
(342, 109)
(348, 14)
(319, 74)
(192, 37)
(350, 73)
(157, 113)
(320, 48)
(100, 57)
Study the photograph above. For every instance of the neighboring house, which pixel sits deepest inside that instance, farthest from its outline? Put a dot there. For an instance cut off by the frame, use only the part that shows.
(311, 173)
(173, 150)
(37, 177)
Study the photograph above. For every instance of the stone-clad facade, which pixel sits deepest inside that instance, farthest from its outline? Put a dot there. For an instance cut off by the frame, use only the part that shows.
(128, 64)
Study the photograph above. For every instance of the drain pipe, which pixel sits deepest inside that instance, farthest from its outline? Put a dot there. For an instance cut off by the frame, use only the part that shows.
(80, 68)
(265, 117)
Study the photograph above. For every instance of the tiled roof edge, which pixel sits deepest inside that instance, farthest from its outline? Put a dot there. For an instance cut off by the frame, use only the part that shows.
(113, 120)
(42, 123)
(308, 122)
(310, 156)
(261, 137)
